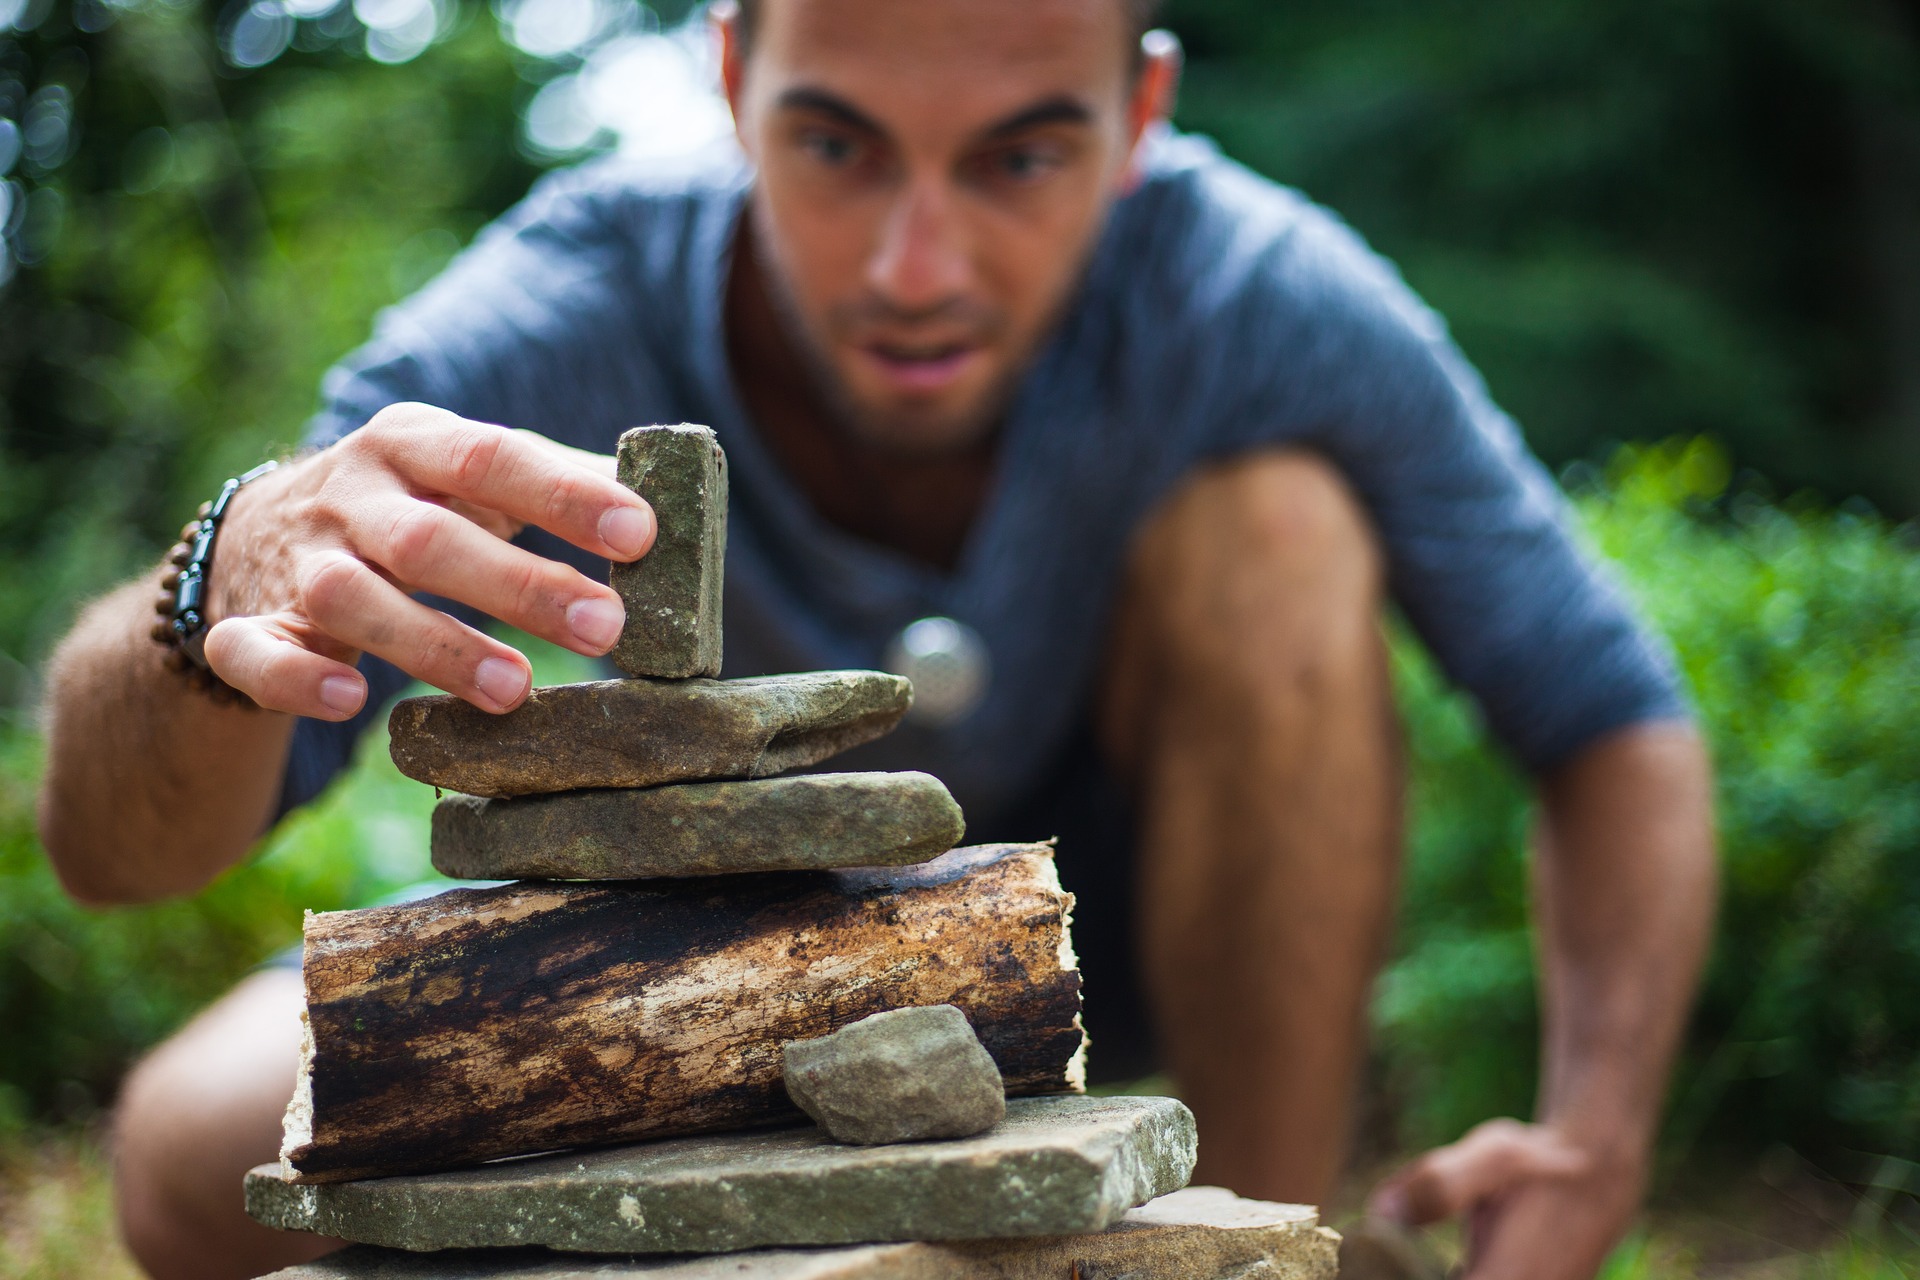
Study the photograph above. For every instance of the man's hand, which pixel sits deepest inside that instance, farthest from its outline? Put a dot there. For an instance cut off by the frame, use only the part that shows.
(1538, 1204)
(316, 561)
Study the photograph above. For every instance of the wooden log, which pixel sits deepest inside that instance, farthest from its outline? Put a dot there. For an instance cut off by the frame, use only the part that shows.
(532, 1017)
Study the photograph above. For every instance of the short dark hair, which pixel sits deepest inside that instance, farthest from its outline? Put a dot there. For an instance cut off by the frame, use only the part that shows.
(1141, 13)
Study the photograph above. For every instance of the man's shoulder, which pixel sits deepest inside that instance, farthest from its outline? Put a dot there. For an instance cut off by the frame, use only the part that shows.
(1205, 231)
(1207, 257)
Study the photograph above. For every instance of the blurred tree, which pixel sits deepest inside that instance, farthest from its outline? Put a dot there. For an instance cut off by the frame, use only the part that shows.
(1643, 219)
(191, 244)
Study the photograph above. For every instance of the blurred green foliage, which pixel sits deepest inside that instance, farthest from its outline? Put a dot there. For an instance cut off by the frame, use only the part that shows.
(1646, 221)
(87, 991)
(1799, 634)
(216, 241)
(1643, 219)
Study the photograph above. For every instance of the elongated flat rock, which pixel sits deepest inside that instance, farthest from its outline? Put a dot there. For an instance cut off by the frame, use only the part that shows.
(643, 733)
(1054, 1166)
(1200, 1233)
(804, 823)
(672, 593)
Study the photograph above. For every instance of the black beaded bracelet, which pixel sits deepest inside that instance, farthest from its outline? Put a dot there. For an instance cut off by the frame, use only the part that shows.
(182, 628)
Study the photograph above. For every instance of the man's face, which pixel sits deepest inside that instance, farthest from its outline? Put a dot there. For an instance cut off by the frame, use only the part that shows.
(931, 178)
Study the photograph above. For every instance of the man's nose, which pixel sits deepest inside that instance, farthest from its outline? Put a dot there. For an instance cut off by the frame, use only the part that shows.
(923, 257)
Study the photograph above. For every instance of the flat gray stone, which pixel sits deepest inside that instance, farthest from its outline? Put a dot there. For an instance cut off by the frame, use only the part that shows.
(1062, 1165)
(1201, 1233)
(643, 733)
(672, 593)
(906, 1075)
(802, 823)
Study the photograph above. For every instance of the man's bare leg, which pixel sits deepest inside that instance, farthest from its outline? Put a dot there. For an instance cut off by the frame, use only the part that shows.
(194, 1116)
(1249, 703)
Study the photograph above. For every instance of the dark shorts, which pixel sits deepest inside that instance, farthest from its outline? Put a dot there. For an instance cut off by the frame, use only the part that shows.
(1093, 816)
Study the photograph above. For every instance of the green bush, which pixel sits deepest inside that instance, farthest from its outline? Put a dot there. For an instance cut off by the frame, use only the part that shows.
(82, 992)
(1797, 629)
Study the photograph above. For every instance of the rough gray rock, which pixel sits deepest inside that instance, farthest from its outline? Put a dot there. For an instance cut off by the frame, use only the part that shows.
(642, 733)
(1201, 1233)
(906, 1075)
(1062, 1165)
(672, 593)
(700, 828)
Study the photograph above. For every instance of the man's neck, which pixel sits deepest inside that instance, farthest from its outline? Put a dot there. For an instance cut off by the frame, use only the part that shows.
(921, 507)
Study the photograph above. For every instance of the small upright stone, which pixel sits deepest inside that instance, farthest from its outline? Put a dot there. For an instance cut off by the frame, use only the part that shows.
(672, 593)
(906, 1075)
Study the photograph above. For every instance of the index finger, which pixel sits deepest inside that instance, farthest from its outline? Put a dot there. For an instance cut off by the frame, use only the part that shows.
(523, 475)
(599, 463)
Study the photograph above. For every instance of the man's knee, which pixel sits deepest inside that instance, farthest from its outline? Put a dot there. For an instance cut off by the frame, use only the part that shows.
(194, 1115)
(1260, 578)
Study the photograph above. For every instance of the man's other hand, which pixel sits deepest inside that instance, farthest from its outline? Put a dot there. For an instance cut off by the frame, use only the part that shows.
(1538, 1204)
(316, 562)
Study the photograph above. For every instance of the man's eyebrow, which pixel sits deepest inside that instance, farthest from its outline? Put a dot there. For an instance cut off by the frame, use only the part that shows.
(804, 98)
(1059, 110)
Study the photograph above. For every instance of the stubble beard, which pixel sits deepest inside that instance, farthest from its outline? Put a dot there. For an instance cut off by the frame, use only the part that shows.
(922, 437)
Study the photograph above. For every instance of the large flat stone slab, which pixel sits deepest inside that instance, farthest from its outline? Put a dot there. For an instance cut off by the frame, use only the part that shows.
(802, 823)
(643, 733)
(1201, 1233)
(1056, 1166)
(672, 593)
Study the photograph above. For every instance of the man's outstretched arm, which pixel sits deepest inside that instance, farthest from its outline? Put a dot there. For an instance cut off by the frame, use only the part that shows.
(1625, 888)
(152, 789)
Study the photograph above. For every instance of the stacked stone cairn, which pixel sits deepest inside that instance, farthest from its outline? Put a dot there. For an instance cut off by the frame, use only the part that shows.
(690, 947)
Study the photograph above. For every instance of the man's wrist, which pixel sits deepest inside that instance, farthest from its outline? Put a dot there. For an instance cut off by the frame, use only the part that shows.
(1616, 1138)
(186, 588)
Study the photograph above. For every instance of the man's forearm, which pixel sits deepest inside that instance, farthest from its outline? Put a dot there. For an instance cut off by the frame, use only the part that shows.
(152, 788)
(1625, 886)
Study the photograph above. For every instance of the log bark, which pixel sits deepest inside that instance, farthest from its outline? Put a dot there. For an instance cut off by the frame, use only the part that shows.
(532, 1017)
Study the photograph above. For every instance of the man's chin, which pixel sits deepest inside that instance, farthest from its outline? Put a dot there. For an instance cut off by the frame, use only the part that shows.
(922, 426)
(919, 434)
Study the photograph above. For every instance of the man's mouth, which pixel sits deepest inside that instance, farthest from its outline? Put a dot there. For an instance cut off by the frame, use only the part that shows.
(919, 368)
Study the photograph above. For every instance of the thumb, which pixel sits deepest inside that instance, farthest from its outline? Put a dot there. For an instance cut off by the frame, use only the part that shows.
(263, 661)
(1492, 1158)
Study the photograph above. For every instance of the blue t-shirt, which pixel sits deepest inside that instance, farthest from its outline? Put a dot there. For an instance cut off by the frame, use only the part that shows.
(1220, 312)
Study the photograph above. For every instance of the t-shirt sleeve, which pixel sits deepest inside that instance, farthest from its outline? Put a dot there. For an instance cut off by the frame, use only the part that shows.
(532, 326)
(1478, 539)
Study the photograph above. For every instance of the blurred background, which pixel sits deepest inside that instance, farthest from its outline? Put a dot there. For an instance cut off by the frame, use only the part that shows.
(1681, 239)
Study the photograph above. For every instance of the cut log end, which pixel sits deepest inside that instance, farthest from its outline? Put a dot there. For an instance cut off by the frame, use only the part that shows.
(298, 1126)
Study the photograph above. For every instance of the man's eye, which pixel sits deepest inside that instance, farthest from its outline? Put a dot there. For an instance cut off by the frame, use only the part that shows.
(1023, 164)
(830, 148)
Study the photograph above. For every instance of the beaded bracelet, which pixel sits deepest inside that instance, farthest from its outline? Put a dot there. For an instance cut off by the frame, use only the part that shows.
(182, 629)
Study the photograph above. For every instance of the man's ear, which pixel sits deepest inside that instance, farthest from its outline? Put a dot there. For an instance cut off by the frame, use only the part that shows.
(724, 19)
(1155, 89)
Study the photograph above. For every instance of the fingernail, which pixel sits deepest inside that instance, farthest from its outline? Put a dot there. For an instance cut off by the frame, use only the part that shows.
(596, 622)
(501, 681)
(343, 694)
(1390, 1204)
(627, 530)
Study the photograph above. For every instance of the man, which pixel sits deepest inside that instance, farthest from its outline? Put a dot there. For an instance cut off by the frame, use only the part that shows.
(983, 340)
